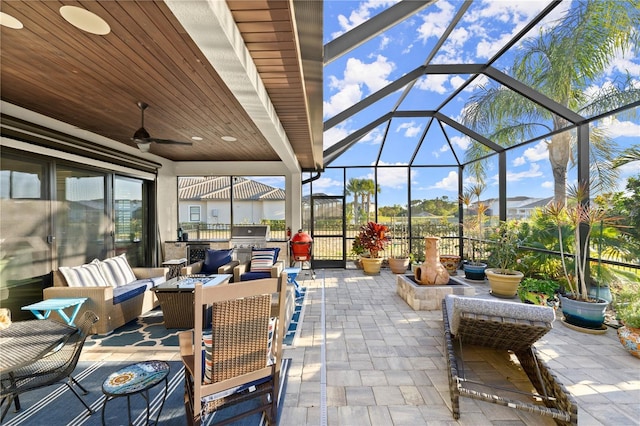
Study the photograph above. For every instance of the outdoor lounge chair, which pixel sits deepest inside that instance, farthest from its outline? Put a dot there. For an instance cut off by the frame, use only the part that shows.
(237, 363)
(509, 326)
(55, 367)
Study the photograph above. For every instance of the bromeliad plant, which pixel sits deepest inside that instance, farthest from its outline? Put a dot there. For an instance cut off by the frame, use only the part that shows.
(579, 216)
(372, 238)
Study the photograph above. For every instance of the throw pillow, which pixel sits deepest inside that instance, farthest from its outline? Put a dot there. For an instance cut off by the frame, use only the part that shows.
(262, 260)
(116, 271)
(214, 259)
(88, 275)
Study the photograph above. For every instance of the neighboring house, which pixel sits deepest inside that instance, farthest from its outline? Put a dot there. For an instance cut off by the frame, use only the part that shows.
(517, 207)
(208, 200)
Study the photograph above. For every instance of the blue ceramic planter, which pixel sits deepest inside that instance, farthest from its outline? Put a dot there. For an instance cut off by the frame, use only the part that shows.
(583, 314)
(474, 272)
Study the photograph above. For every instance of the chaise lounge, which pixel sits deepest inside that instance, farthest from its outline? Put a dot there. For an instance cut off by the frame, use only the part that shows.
(508, 326)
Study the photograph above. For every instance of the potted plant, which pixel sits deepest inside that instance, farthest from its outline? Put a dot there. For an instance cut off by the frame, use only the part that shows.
(473, 228)
(373, 239)
(399, 259)
(358, 250)
(504, 279)
(627, 306)
(579, 216)
(538, 291)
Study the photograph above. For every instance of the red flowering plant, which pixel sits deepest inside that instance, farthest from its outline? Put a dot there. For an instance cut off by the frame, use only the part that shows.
(372, 238)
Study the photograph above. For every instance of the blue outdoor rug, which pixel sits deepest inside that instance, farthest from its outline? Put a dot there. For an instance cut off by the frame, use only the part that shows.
(56, 405)
(148, 330)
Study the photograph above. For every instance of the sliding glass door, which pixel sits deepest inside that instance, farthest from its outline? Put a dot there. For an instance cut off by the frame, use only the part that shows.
(25, 232)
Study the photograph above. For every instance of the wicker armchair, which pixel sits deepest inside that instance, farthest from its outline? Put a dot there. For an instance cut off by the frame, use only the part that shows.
(54, 368)
(243, 352)
(509, 326)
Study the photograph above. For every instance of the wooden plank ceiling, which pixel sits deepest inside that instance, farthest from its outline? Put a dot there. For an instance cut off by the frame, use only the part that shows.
(93, 82)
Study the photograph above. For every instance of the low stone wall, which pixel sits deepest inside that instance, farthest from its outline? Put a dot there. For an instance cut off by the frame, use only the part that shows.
(429, 297)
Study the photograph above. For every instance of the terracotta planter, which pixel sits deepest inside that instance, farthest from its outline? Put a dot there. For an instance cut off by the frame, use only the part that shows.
(398, 265)
(630, 339)
(431, 272)
(504, 284)
(371, 265)
(450, 262)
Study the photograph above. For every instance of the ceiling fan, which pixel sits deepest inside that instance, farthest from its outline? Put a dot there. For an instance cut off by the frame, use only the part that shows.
(142, 138)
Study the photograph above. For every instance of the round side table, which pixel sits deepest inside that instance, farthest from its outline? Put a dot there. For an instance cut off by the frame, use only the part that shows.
(133, 379)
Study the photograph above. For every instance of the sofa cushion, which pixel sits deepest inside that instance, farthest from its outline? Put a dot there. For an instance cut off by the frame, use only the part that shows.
(248, 276)
(125, 292)
(116, 271)
(262, 259)
(457, 305)
(214, 259)
(88, 275)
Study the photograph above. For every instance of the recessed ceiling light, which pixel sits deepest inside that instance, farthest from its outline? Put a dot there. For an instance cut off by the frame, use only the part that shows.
(229, 139)
(85, 20)
(196, 138)
(9, 21)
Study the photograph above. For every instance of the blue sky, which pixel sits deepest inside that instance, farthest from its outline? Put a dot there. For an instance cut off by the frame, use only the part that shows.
(487, 25)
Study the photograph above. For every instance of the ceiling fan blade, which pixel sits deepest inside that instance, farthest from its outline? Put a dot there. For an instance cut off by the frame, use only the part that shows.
(168, 141)
(142, 138)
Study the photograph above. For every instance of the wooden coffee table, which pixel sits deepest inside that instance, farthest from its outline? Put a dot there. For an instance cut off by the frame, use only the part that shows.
(176, 297)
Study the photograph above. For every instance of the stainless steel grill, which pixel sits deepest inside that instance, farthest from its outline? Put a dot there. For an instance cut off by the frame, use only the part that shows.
(245, 238)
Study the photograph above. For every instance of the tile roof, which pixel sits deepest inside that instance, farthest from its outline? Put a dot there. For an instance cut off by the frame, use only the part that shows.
(219, 188)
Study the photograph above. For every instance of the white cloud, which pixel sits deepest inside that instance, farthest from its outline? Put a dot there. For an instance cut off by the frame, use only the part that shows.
(518, 162)
(449, 183)
(384, 42)
(444, 148)
(334, 135)
(534, 171)
(346, 97)
(324, 183)
(392, 177)
(433, 83)
(357, 76)
(547, 184)
(374, 137)
(537, 153)
(456, 81)
(616, 128)
(359, 15)
(435, 23)
(410, 129)
(461, 142)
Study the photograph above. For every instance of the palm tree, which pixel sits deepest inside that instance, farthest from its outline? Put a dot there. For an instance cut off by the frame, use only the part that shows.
(627, 156)
(355, 188)
(561, 63)
(369, 189)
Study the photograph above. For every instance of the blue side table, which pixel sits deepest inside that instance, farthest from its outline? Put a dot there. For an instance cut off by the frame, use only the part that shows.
(292, 273)
(58, 305)
(133, 379)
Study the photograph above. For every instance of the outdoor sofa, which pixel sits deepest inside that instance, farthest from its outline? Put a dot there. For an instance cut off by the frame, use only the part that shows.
(116, 292)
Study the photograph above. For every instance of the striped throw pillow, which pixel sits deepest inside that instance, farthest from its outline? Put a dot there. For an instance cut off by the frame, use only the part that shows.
(261, 260)
(88, 275)
(116, 271)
